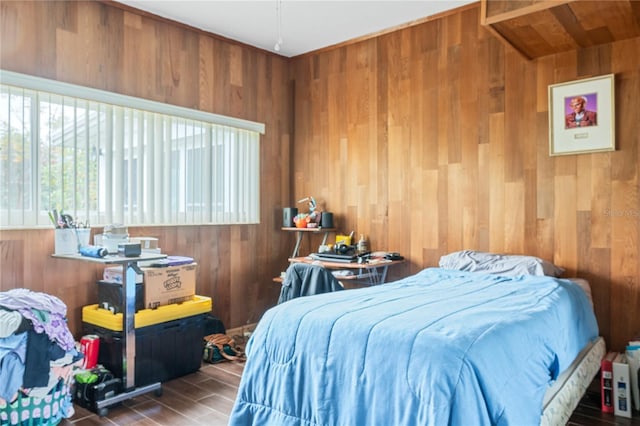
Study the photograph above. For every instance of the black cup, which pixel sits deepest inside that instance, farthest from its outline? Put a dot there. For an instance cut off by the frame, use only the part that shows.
(326, 220)
(288, 213)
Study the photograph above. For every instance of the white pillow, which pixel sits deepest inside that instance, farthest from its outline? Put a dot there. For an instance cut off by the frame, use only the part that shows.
(504, 264)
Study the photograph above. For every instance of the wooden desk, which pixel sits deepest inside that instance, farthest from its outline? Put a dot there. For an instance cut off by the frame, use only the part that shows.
(372, 273)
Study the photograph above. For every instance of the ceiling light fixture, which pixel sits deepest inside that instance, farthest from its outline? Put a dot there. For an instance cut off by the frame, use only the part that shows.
(279, 23)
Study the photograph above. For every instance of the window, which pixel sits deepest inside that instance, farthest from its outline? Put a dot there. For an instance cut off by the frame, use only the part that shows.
(107, 158)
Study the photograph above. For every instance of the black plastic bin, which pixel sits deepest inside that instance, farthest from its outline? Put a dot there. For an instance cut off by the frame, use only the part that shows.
(111, 296)
(164, 351)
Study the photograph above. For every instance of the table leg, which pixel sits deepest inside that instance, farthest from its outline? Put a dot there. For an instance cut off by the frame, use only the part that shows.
(377, 276)
(298, 241)
(383, 279)
(129, 350)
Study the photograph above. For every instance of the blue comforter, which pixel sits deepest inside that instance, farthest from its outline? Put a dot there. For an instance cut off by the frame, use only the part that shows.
(436, 348)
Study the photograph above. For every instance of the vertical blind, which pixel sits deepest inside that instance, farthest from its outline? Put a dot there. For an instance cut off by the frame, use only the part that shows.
(113, 163)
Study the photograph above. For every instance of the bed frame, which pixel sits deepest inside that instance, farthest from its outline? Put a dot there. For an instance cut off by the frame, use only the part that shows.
(565, 394)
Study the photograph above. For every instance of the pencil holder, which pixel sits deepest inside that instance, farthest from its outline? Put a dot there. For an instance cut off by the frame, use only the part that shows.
(68, 240)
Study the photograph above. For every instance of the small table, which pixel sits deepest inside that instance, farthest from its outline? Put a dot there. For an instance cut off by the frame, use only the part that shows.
(300, 231)
(373, 272)
(130, 269)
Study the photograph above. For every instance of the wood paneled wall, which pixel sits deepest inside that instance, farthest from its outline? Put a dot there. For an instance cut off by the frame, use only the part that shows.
(109, 47)
(434, 138)
(430, 139)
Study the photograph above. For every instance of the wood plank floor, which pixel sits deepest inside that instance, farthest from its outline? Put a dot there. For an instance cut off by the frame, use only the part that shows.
(588, 411)
(203, 398)
(206, 398)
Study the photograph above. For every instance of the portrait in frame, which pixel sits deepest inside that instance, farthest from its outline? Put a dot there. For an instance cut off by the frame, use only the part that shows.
(581, 116)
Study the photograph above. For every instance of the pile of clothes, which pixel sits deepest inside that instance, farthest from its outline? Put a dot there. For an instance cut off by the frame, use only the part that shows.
(37, 357)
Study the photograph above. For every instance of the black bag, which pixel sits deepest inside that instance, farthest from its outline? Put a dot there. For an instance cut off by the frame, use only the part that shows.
(99, 384)
(213, 325)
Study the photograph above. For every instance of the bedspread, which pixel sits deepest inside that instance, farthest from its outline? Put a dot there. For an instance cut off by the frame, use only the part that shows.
(439, 347)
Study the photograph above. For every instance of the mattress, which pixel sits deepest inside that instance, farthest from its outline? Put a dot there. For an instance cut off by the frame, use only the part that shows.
(565, 393)
(422, 350)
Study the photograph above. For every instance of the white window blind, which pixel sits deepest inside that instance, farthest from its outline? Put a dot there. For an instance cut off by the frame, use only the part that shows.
(128, 161)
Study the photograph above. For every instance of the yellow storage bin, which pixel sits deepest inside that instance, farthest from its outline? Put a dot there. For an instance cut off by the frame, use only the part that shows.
(104, 318)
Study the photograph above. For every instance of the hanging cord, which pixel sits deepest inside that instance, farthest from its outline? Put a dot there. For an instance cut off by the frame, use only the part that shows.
(279, 24)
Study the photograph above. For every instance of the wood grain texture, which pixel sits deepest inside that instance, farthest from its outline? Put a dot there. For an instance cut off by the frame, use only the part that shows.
(540, 28)
(499, 9)
(429, 139)
(102, 45)
(462, 153)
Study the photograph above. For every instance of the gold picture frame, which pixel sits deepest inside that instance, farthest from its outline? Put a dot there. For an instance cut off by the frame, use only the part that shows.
(581, 116)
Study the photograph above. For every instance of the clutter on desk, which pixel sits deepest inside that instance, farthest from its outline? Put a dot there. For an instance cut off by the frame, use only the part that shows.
(158, 283)
(393, 256)
(288, 213)
(363, 245)
(326, 220)
(129, 249)
(112, 236)
(116, 240)
(70, 235)
(383, 257)
(310, 219)
(343, 245)
(146, 243)
(62, 220)
(93, 251)
(325, 248)
(344, 239)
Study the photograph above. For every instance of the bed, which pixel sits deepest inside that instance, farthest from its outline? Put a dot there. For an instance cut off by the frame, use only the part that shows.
(443, 346)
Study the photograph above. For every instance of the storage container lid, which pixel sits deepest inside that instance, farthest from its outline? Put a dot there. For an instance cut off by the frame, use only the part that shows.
(94, 314)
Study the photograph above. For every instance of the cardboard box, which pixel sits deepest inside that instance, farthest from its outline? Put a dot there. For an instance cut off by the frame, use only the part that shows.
(621, 387)
(146, 243)
(633, 359)
(164, 286)
(606, 382)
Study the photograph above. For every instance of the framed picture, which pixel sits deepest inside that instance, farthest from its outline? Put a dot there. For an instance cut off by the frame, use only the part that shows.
(581, 116)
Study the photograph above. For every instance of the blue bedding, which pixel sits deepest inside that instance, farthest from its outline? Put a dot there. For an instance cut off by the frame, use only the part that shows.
(439, 347)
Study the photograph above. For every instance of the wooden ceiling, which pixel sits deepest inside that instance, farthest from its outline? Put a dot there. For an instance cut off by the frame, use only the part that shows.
(538, 28)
